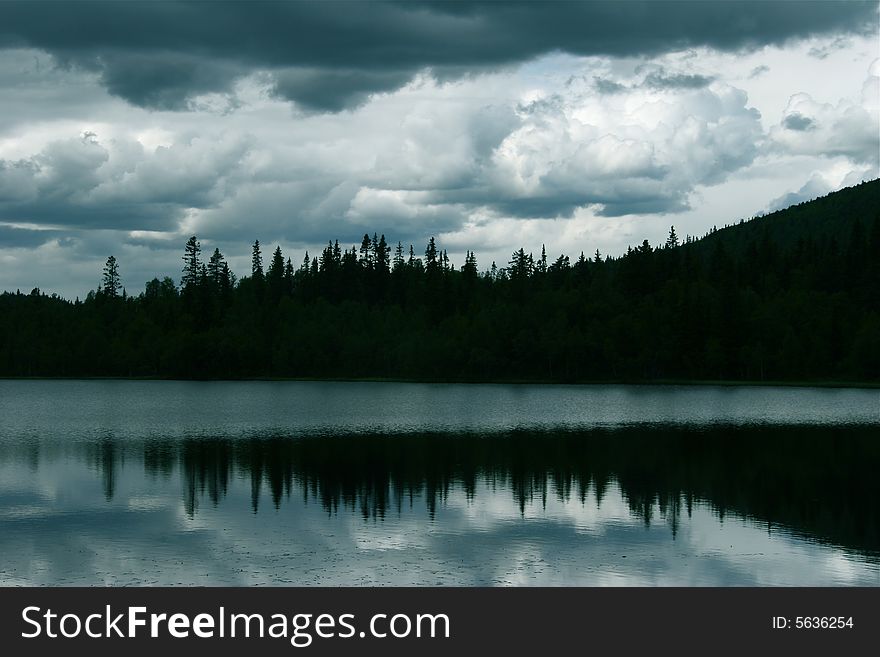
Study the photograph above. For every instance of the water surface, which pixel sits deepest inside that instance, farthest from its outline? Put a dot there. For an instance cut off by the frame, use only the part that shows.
(159, 482)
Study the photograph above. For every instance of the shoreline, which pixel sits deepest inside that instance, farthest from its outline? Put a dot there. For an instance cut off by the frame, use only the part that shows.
(616, 382)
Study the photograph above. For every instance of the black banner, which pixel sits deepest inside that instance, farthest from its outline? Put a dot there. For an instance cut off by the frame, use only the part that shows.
(432, 621)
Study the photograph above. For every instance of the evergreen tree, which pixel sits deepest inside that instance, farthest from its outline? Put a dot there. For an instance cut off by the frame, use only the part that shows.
(521, 265)
(227, 279)
(217, 270)
(329, 262)
(192, 266)
(275, 273)
(276, 265)
(469, 268)
(561, 264)
(288, 276)
(431, 264)
(111, 283)
(398, 258)
(257, 262)
(366, 258)
(381, 253)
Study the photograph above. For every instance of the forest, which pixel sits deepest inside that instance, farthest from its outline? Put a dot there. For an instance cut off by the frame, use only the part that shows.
(792, 296)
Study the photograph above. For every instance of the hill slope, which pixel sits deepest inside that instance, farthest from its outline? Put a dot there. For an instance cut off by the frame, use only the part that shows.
(793, 296)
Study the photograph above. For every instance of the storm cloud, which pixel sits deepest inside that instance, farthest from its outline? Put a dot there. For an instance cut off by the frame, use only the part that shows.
(129, 126)
(82, 183)
(327, 56)
(795, 121)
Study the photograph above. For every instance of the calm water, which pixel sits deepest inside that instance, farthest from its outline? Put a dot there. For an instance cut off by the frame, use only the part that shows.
(159, 482)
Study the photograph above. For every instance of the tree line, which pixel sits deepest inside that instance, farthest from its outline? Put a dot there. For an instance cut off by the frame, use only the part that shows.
(790, 296)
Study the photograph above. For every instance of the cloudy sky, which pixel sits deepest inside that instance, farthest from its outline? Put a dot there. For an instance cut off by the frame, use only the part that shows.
(126, 127)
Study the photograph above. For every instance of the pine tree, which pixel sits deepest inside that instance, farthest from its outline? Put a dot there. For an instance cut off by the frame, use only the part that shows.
(216, 270)
(366, 259)
(227, 279)
(561, 264)
(288, 277)
(520, 265)
(672, 240)
(276, 265)
(111, 284)
(398, 258)
(275, 274)
(328, 258)
(257, 262)
(469, 268)
(431, 264)
(381, 253)
(192, 266)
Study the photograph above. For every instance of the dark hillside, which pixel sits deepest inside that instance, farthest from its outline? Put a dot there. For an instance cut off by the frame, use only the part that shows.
(791, 296)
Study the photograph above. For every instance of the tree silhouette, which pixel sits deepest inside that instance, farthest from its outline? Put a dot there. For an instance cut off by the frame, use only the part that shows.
(111, 284)
(192, 266)
(789, 296)
(216, 269)
(275, 274)
(257, 262)
(431, 264)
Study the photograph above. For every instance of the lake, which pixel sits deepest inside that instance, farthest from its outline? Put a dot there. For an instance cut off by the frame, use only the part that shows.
(336, 483)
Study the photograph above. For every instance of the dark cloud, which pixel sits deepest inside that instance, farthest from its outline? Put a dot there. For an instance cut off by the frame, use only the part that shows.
(662, 80)
(606, 87)
(758, 71)
(659, 205)
(14, 237)
(84, 183)
(657, 80)
(164, 80)
(124, 216)
(614, 200)
(335, 90)
(798, 122)
(160, 54)
(815, 187)
(846, 129)
(822, 52)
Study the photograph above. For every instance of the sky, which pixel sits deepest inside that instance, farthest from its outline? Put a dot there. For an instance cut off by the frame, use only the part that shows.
(126, 126)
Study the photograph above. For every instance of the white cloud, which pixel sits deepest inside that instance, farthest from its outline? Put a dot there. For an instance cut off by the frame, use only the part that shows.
(632, 151)
(809, 127)
(520, 156)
